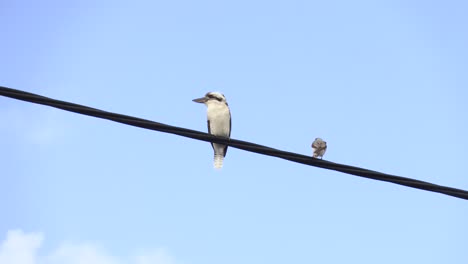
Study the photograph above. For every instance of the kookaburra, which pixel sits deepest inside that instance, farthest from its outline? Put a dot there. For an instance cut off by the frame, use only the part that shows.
(319, 147)
(219, 122)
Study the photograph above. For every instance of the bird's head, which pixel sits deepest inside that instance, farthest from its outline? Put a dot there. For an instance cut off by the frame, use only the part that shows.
(211, 98)
(318, 142)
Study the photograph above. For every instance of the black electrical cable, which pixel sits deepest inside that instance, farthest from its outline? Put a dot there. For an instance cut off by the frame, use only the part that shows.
(138, 122)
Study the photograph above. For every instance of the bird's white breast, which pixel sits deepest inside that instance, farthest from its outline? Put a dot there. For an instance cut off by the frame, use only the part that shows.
(219, 117)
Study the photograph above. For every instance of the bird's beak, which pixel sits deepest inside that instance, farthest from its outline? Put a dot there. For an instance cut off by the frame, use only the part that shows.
(200, 100)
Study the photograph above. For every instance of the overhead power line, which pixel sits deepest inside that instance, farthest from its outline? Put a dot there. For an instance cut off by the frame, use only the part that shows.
(143, 123)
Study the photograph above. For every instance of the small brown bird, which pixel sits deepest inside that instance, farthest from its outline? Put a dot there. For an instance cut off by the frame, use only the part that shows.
(319, 147)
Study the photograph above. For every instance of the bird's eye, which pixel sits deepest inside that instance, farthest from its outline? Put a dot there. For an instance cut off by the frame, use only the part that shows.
(215, 97)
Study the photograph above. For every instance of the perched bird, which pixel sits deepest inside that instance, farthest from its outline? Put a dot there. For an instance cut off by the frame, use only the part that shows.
(219, 122)
(319, 146)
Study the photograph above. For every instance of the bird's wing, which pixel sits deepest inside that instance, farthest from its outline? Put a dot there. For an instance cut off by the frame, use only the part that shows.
(225, 150)
(230, 123)
(230, 119)
(209, 132)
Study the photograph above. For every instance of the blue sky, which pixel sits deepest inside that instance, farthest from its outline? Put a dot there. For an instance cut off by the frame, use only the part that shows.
(383, 82)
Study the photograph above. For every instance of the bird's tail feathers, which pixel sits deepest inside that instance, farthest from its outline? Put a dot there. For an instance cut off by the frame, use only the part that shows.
(218, 161)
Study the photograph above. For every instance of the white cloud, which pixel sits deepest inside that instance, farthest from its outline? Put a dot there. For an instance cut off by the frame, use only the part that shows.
(22, 248)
